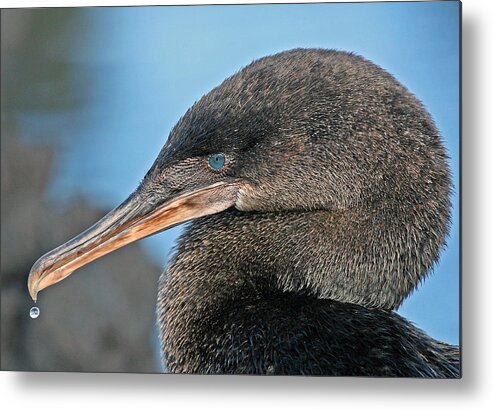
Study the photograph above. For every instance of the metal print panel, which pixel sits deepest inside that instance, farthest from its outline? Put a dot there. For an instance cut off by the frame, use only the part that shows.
(300, 163)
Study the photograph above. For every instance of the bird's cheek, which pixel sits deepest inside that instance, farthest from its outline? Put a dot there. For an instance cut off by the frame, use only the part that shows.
(246, 199)
(252, 197)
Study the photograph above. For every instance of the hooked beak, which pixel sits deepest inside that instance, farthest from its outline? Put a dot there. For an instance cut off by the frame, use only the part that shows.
(134, 219)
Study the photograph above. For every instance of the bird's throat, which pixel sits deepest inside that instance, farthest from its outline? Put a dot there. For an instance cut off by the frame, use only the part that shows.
(235, 258)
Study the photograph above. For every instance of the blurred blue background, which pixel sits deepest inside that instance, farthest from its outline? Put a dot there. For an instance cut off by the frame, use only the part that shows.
(143, 67)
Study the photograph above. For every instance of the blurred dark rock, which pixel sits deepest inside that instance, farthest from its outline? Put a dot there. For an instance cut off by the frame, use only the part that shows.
(36, 74)
(100, 319)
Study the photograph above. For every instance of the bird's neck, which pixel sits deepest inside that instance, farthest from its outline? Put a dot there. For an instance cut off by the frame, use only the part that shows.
(371, 259)
(233, 261)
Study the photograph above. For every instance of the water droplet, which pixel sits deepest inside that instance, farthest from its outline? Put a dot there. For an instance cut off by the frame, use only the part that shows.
(34, 312)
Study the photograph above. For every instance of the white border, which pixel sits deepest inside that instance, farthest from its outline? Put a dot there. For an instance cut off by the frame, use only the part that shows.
(474, 391)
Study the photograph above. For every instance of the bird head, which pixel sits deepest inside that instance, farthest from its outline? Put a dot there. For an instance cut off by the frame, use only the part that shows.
(301, 130)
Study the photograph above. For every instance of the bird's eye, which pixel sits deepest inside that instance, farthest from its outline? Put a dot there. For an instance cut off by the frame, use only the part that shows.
(217, 161)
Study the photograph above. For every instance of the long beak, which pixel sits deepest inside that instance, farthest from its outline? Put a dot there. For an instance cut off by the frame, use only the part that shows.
(134, 219)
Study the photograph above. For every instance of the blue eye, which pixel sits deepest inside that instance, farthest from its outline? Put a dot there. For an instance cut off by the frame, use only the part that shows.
(217, 161)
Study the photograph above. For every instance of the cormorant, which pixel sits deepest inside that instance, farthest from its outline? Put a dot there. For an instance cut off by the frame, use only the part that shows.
(319, 188)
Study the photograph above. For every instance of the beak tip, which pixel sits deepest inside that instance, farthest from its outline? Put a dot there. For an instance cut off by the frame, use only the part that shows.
(32, 288)
(33, 282)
